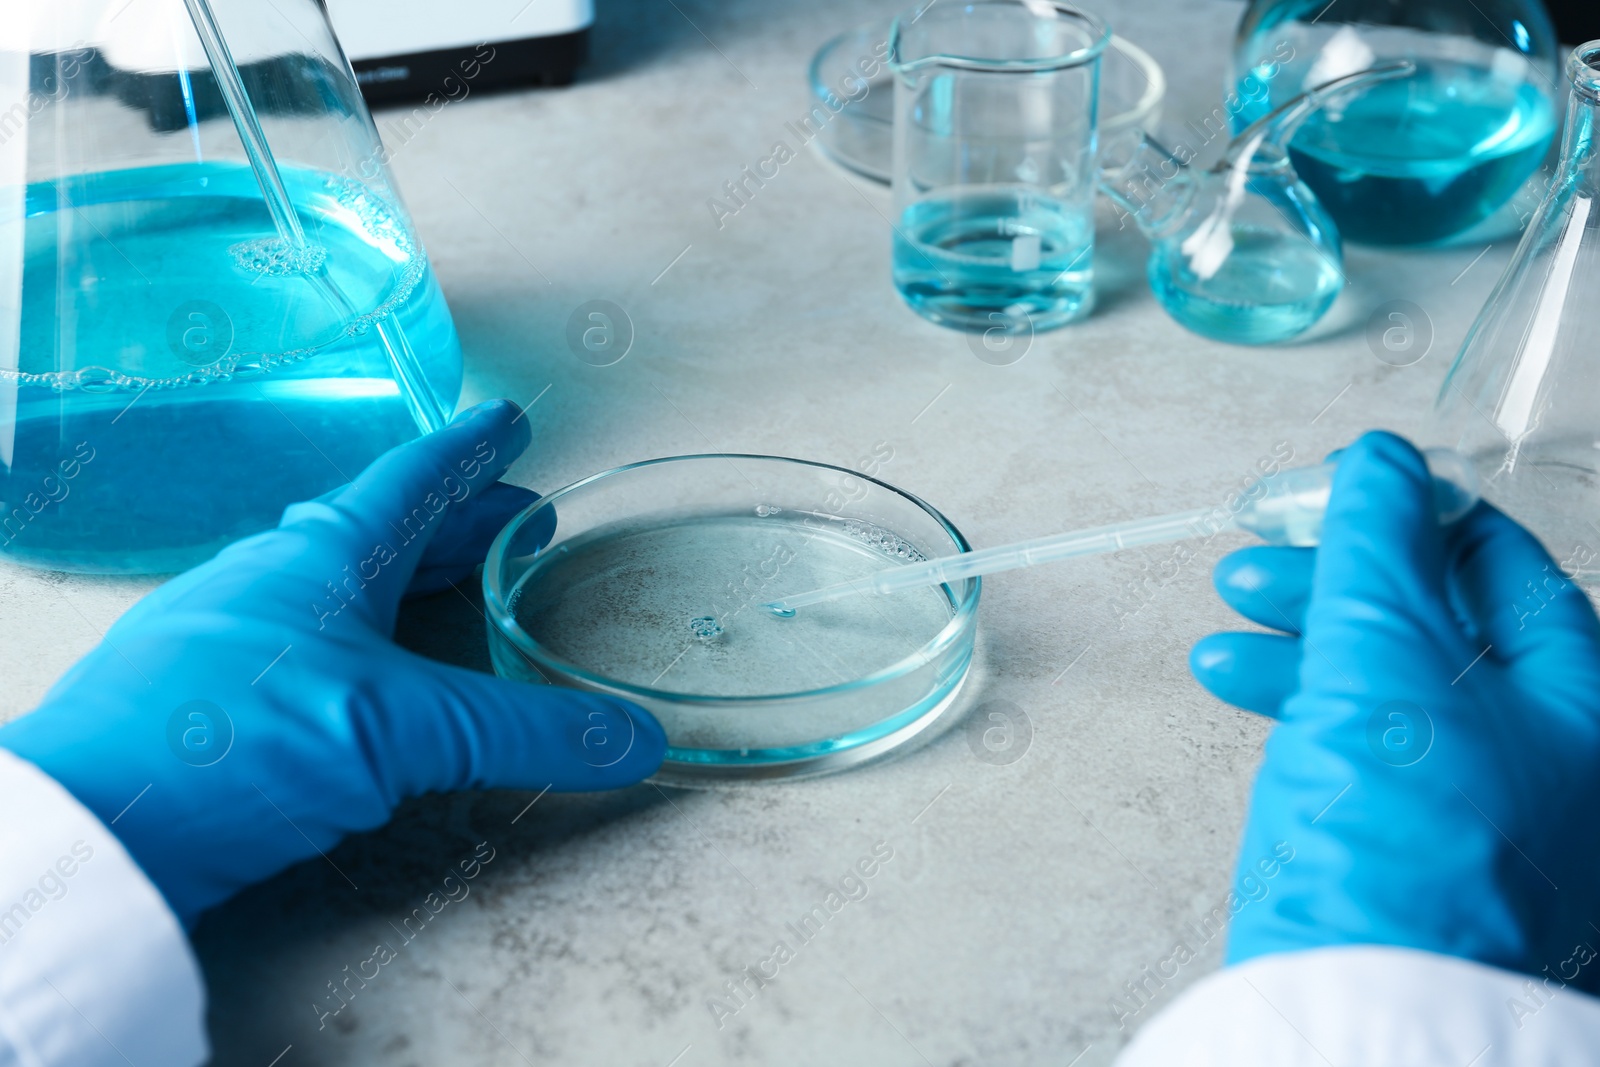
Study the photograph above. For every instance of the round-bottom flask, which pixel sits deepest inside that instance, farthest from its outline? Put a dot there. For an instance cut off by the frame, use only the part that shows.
(1416, 161)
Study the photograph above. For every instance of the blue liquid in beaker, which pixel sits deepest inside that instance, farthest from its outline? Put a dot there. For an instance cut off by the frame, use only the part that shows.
(960, 259)
(1421, 159)
(132, 365)
(1274, 286)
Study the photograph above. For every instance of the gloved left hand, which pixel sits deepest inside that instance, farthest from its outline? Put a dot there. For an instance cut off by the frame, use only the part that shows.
(250, 713)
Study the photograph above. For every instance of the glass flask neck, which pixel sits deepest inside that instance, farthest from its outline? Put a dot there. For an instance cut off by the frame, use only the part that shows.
(1266, 141)
(1580, 161)
(1149, 182)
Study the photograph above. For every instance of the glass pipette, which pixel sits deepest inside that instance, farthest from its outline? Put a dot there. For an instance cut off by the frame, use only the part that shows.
(1283, 509)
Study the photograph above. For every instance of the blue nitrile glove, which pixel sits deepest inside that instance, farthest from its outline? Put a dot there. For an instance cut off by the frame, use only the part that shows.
(260, 698)
(1436, 766)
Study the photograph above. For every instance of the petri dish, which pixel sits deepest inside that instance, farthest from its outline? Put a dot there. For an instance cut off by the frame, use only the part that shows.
(861, 135)
(647, 582)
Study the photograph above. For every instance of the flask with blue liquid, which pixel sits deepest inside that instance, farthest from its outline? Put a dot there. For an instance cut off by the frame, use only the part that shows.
(1242, 252)
(1419, 160)
(212, 300)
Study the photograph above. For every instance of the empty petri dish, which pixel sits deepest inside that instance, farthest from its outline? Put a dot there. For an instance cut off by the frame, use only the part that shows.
(848, 70)
(648, 582)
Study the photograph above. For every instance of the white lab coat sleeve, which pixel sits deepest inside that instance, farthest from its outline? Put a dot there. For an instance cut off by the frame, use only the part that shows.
(95, 970)
(1376, 1006)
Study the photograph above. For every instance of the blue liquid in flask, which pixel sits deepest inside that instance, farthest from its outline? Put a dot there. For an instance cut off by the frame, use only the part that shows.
(1273, 287)
(961, 259)
(1420, 159)
(183, 375)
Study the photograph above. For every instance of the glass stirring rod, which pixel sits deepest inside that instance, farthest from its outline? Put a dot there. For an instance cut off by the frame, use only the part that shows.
(1283, 509)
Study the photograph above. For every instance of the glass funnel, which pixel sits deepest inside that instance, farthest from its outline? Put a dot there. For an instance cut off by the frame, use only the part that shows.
(212, 301)
(1523, 397)
(1415, 161)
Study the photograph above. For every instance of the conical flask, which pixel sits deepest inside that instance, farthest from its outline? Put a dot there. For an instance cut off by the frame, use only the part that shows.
(212, 301)
(1523, 397)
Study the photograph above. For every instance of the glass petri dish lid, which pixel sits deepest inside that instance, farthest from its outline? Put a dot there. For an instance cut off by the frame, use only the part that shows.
(848, 76)
(647, 582)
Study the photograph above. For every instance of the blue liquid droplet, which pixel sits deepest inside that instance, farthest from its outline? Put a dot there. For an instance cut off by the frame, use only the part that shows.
(782, 613)
(705, 627)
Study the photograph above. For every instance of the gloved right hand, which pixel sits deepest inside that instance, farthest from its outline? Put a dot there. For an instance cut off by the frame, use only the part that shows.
(1435, 770)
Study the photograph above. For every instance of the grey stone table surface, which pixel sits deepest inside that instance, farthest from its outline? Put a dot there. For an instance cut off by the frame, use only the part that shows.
(1022, 893)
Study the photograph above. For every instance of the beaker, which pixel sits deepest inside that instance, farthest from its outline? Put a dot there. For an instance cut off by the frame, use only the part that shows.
(1522, 400)
(847, 77)
(1243, 252)
(212, 301)
(994, 162)
(1406, 162)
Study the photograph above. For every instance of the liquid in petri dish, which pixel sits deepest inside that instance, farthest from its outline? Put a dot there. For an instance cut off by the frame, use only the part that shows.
(216, 379)
(1273, 287)
(1423, 158)
(676, 605)
(1008, 250)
